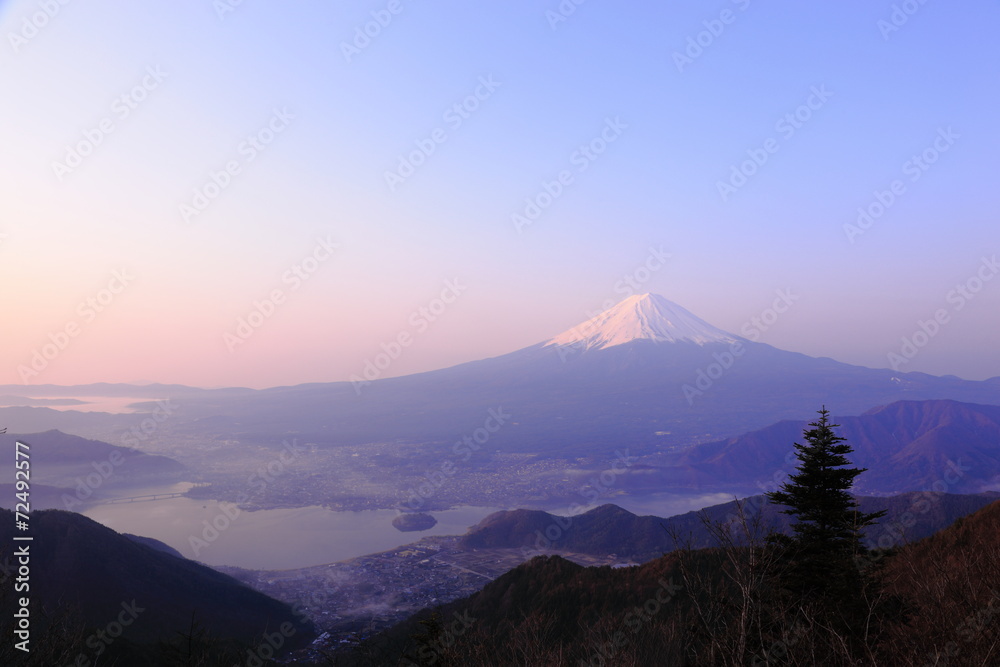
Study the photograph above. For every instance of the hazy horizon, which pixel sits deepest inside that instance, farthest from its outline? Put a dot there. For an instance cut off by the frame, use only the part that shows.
(289, 125)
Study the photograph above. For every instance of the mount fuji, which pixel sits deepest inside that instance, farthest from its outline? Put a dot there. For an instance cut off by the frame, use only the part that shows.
(646, 374)
(641, 317)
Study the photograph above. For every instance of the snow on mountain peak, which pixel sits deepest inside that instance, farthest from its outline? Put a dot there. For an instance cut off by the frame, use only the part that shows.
(642, 316)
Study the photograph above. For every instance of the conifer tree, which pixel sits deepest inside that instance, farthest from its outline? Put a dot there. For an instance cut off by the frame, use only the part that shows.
(828, 528)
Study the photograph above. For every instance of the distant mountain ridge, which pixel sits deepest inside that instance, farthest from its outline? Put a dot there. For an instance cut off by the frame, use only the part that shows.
(646, 372)
(630, 385)
(942, 445)
(71, 462)
(609, 529)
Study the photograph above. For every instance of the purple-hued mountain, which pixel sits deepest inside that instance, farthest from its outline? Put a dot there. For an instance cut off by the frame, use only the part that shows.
(938, 445)
(646, 374)
(623, 378)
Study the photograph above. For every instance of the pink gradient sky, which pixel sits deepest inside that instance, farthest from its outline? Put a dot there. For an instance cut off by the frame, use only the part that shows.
(323, 176)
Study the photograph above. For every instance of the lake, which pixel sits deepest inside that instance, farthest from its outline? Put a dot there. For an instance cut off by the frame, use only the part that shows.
(283, 539)
(278, 539)
(109, 404)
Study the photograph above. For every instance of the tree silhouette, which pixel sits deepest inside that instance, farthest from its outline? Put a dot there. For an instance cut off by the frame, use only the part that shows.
(826, 544)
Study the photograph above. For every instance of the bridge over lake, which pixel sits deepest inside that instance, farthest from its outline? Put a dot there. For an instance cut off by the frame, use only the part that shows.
(140, 499)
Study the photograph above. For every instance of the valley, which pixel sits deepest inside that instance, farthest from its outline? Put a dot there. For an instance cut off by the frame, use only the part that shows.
(354, 599)
(296, 491)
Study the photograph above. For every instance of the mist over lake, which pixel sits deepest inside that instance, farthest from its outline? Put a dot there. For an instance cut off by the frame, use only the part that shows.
(277, 539)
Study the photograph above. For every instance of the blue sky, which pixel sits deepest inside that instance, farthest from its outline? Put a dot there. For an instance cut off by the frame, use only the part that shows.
(347, 115)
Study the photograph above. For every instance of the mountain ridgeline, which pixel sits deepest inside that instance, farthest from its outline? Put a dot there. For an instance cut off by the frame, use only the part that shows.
(646, 372)
(694, 607)
(68, 470)
(610, 530)
(696, 408)
(624, 376)
(939, 445)
(94, 593)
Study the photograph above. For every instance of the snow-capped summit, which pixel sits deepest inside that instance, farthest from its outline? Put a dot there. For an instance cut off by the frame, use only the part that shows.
(642, 316)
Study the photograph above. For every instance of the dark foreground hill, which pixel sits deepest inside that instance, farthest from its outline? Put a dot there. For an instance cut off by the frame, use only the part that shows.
(548, 611)
(953, 579)
(154, 544)
(94, 592)
(609, 529)
(695, 608)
